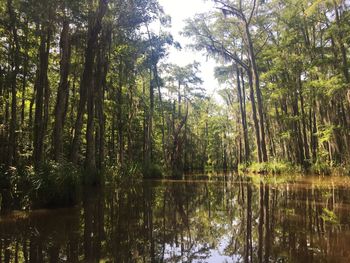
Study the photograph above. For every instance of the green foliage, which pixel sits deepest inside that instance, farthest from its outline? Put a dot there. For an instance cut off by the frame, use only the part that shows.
(329, 216)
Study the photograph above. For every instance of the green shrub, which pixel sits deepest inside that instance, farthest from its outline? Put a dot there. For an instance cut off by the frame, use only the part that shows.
(273, 167)
(259, 168)
(152, 171)
(14, 188)
(347, 170)
(341, 170)
(329, 216)
(55, 185)
(321, 168)
(242, 168)
(52, 185)
(119, 174)
(92, 178)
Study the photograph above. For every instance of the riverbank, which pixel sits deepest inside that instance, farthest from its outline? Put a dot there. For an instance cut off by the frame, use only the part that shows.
(319, 168)
(59, 185)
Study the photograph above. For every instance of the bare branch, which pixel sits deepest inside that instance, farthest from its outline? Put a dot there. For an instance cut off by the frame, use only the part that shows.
(252, 12)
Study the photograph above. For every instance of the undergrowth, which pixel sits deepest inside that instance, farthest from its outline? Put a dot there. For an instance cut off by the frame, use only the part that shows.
(273, 167)
(52, 185)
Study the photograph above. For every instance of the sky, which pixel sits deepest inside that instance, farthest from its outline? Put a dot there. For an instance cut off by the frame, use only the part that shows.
(180, 10)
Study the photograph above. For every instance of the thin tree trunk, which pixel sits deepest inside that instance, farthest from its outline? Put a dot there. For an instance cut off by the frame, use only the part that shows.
(243, 117)
(120, 114)
(150, 117)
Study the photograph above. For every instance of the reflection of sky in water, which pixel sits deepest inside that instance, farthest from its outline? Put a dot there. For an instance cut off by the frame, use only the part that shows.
(214, 255)
(211, 255)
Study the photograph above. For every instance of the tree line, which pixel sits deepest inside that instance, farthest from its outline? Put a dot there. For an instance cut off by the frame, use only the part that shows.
(285, 64)
(85, 82)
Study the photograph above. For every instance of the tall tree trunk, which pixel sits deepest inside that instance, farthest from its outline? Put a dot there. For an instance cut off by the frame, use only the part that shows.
(101, 73)
(62, 93)
(303, 121)
(94, 28)
(177, 147)
(90, 161)
(255, 117)
(313, 132)
(2, 94)
(255, 75)
(41, 95)
(297, 130)
(15, 50)
(161, 109)
(145, 122)
(25, 75)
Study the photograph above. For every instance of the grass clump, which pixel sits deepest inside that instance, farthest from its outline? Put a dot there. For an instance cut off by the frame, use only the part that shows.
(273, 167)
(281, 167)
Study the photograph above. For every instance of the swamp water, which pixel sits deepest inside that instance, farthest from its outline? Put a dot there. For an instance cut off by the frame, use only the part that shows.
(200, 219)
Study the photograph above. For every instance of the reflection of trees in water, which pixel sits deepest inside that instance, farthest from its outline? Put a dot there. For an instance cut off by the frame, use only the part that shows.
(174, 221)
(44, 236)
(306, 229)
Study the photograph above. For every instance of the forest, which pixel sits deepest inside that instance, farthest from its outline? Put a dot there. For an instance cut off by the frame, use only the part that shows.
(111, 152)
(85, 93)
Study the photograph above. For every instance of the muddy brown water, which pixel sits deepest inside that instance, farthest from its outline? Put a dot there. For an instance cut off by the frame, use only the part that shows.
(198, 219)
